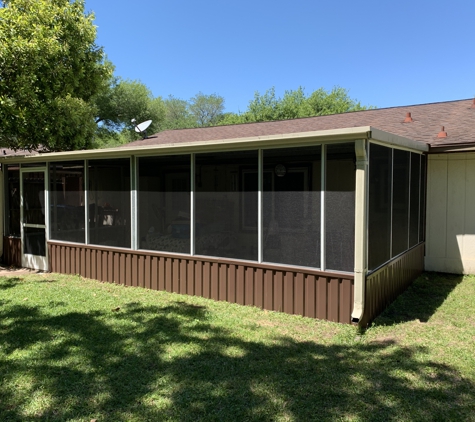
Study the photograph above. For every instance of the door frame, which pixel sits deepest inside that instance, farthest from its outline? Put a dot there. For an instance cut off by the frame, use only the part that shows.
(27, 260)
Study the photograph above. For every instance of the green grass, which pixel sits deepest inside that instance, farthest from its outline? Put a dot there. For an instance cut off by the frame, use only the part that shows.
(75, 350)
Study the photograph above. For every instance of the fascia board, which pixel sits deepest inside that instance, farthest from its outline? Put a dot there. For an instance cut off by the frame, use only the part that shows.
(387, 138)
(300, 138)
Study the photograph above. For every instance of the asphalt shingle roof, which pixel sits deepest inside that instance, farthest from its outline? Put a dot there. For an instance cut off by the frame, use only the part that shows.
(458, 118)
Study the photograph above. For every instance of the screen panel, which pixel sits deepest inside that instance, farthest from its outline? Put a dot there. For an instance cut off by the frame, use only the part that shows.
(340, 207)
(67, 210)
(109, 202)
(164, 203)
(400, 220)
(226, 204)
(12, 200)
(379, 208)
(291, 206)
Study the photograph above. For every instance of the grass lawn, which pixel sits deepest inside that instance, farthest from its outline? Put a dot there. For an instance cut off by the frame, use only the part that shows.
(75, 350)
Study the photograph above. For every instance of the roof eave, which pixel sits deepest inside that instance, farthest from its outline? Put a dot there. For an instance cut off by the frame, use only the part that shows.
(300, 138)
(461, 147)
(387, 138)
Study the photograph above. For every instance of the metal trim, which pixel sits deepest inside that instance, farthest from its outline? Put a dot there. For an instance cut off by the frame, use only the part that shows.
(192, 204)
(323, 189)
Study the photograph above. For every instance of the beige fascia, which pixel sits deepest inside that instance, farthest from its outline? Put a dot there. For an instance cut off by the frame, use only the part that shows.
(301, 138)
(387, 139)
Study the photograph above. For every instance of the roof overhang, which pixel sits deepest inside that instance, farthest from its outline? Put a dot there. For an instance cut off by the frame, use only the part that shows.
(439, 149)
(279, 140)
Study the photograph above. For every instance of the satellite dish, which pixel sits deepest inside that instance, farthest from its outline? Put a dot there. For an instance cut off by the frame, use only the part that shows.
(142, 127)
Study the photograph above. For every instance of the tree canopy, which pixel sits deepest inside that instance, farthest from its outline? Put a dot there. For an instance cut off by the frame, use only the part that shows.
(294, 104)
(117, 104)
(50, 69)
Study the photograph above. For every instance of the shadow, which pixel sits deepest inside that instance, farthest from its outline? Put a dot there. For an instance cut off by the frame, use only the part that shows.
(170, 363)
(9, 282)
(421, 300)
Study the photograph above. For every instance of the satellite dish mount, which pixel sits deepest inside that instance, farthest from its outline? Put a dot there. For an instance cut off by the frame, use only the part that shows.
(142, 127)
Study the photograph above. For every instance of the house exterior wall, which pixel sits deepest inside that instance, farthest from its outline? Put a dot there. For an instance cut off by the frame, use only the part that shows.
(314, 294)
(450, 244)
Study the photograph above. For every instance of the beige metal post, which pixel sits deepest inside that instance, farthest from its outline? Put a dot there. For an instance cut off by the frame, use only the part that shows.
(360, 229)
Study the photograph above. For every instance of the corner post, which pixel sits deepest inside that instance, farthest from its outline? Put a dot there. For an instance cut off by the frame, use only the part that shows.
(360, 229)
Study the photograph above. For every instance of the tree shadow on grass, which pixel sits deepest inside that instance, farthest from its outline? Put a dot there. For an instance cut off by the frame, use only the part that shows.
(152, 363)
(9, 282)
(421, 300)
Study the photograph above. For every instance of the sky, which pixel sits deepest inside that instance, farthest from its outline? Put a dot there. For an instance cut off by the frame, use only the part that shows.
(384, 52)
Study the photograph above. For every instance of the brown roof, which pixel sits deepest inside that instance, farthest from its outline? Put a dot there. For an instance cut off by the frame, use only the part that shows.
(18, 152)
(457, 117)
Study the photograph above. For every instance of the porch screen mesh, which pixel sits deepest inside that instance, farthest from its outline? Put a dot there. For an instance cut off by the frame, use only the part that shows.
(12, 200)
(67, 212)
(379, 212)
(164, 203)
(400, 220)
(226, 204)
(340, 207)
(291, 206)
(109, 202)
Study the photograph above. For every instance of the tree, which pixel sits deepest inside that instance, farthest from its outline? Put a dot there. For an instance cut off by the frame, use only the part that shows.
(50, 69)
(207, 110)
(294, 104)
(177, 114)
(117, 104)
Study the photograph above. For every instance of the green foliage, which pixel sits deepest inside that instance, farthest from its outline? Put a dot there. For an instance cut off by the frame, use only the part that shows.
(294, 104)
(117, 104)
(206, 110)
(200, 111)
(122, 100)
(50, 68)
(177, 115)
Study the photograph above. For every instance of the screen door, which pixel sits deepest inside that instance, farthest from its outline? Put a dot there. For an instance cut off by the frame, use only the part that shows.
(33, 219)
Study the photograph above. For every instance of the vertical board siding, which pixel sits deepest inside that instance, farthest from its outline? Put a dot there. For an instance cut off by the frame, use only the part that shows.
(383, 286)
(12, 251)
(320, 295)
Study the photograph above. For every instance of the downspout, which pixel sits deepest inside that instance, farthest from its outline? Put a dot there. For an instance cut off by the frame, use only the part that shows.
(360, 230)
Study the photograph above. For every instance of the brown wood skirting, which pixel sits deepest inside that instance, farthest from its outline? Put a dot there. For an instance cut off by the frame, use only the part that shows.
(387, 283)
(309, 293)
(11, 251)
